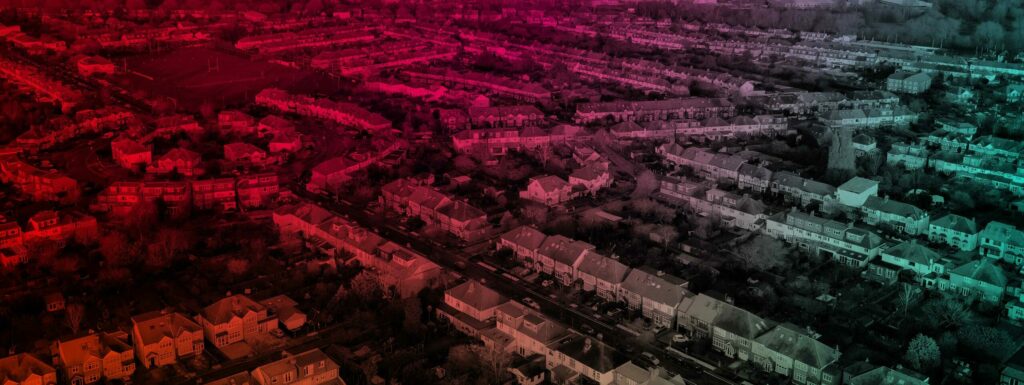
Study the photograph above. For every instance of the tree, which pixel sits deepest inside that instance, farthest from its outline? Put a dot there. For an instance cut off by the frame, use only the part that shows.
(908, 295)
(763, 253)
(115, 249)
(646, 184)
(989, 34)
(922, 353)
(413, 315)
(987, 341)
(946, 312)
(365, 286)
(73, 314)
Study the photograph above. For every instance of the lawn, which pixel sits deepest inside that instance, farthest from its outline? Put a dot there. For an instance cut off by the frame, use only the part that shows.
(195, 75)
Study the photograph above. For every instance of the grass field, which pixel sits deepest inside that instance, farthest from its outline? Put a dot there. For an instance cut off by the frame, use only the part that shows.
(196, 75)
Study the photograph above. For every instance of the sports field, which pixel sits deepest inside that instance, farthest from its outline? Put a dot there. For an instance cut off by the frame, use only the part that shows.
(195, 75)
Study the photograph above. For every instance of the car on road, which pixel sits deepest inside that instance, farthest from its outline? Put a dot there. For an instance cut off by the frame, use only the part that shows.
(587, 329)
(650, 357)
(680, 338)
(531, 303)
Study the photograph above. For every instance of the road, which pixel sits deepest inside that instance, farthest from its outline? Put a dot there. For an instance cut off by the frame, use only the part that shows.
(512, 287)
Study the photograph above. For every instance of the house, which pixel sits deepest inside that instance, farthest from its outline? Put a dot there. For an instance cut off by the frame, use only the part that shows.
(908, 156)
(954, 230)
(864, 144)
(26, 369)
(245, 153)
(311, 367)
(236, 122)
(590, 179)
(241, 378)
(561, 257)
(855, 192)
(884, 375)
(602, 275)
(908, 82)
(470, 306)
(286, 310)
(577, 356)
(162, 337)
(529, 370)
(981, 278)
(505, 116)
(178, 160)
(844, 243)
(235, 318)
(218, 193)
(61, 227)
(1002, 241)
(657, 295)
(630, 373)
(54, 302)
(414, 200)
(96, 356)
(274, 125)
(964, 129)
(130, 154)
(285, 142)
(915, 257)
(256, 190)
(547, 189)
(801, 190)
(524, 242)
(792, 353)
(754, 178)
(898, 216)
(91, 65)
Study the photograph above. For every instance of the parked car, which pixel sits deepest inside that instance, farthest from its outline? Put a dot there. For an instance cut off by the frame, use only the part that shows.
(531, 303)
(650, 357)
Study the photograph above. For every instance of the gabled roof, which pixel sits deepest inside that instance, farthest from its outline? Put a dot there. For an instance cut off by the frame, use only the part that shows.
(564, 250)
(655, 287)
(19, 367)
(791, 342)
(592, 353)
(890, 206)
(956, 223)
(157, 325)
(914, 252)
(727, 316)
(476, 295)
(549, 183)
(525, 236)
(222, 311)
(603, 268)
(983, 271)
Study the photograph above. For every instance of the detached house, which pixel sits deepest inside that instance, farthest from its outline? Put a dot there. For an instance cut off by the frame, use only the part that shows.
(954, 230)
(470, 307)
(580, 357)
(1002, 241)
(895, 215)
(236, 318)
(548, 189)
(130, 154)
(162, 337)
(980, 278)
(178, 160)
(311, 367)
